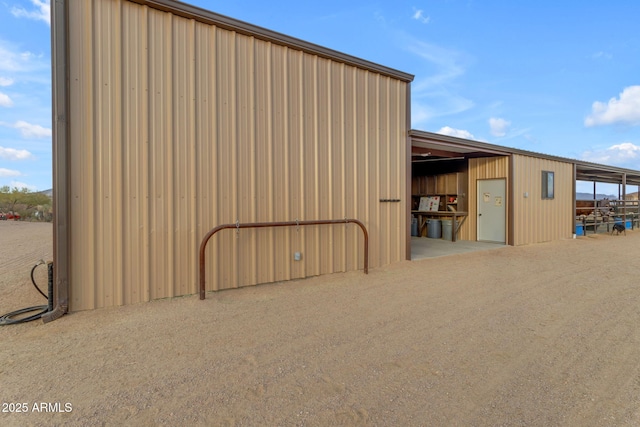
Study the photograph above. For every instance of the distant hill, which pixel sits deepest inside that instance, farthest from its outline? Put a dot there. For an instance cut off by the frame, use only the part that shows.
(589, 196)
(48, 192)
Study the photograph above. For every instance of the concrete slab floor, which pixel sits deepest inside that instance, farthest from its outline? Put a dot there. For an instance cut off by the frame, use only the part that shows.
(424, 247)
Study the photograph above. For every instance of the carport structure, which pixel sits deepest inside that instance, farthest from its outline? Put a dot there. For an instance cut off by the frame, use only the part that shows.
(596, 173)
(540, 189)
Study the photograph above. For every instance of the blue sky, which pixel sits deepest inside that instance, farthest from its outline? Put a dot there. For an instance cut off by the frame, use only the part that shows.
(555, 77)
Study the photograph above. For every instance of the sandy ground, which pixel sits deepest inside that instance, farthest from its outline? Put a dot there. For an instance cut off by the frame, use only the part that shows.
(541, 335)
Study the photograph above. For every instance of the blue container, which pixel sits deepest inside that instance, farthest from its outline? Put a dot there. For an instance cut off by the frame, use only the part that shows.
(627, 224)
(579, 230)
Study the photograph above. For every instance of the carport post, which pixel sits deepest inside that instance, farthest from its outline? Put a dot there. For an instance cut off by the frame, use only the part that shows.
(624, 197)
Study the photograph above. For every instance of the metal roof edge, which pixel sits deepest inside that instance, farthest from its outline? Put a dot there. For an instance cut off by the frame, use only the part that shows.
(206, 16)
(437, 137)
(419, 134)
(603, 167)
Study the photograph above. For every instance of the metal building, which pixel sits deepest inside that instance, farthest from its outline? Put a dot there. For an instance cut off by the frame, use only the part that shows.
(520, 211)
(171, 120)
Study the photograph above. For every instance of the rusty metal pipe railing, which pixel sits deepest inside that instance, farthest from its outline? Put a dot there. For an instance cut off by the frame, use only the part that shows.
(205, 240)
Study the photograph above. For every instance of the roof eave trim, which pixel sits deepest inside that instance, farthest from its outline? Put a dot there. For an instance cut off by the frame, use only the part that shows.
(420, 135)
(445, 140)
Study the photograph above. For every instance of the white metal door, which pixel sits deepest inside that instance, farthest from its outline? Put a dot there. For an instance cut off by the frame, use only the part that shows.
(492, 210)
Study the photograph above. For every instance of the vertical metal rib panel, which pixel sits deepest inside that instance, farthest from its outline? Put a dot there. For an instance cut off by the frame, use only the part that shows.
(538, 220)
(102, 125)
(259, 159)
(181, 126)
(161, 165)
(81, 125)
(182, 143)
(135, 110)
(481, 168)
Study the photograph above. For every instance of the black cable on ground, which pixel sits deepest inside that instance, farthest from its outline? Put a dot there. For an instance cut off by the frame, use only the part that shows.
(12, 319)
(33, 280)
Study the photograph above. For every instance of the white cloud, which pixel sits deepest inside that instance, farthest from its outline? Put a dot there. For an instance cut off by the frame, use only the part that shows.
(498, 126)
(427, 106)
(447, 62)
(458, 133)
(5, 101)
(12, 60)
(601, 55)
(28, 130)
(624, 110)
(419, 16)
(5, 81)
(436, 95)
(13, 154)
(8, 172)
(625, 154)
(42, 11)
(21, 185)
(420, 113)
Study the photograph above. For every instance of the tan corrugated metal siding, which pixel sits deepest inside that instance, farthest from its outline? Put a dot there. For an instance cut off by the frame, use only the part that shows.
(537, 220)
(178, 126)
(481, 168)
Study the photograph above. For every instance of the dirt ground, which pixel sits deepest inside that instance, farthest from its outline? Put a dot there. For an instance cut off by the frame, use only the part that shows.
(540, 335)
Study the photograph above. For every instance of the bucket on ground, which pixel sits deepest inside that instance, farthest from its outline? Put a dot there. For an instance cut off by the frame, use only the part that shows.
(434, 229)
(579, 230)
(447, 229)
(414, 226)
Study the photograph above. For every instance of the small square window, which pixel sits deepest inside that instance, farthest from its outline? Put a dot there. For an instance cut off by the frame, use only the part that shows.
(547, 185)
